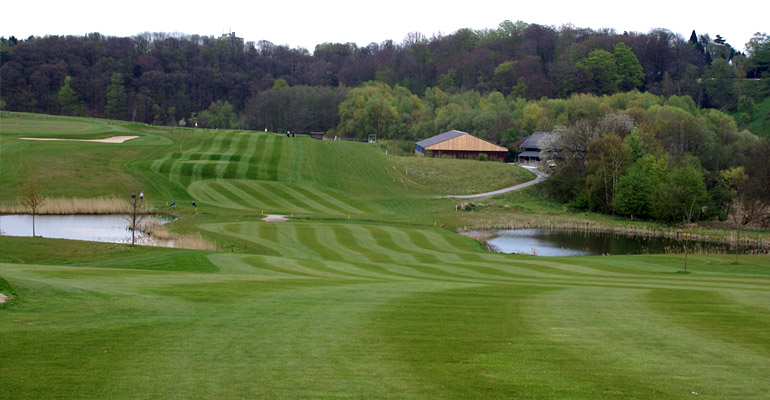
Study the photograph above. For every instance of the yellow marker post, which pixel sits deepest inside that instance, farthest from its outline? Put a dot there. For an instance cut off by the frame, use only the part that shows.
(348, 217)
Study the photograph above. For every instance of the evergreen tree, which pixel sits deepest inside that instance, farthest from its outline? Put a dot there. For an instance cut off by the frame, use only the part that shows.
(69, 100)
(116, 98)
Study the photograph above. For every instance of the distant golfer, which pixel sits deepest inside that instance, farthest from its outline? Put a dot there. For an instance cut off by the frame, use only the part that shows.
(173, 204)
(141, 195)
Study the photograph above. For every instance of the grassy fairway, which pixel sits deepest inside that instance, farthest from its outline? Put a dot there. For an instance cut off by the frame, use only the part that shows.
(358, 296)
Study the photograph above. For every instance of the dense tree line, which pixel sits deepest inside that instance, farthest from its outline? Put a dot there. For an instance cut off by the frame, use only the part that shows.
(660, 158)
(161, 78)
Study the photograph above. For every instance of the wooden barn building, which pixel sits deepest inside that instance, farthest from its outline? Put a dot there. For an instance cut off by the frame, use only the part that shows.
(460, 144)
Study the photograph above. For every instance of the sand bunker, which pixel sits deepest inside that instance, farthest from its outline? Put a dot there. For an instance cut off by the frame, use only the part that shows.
(275, 218)
(3, 298)
(114, 139)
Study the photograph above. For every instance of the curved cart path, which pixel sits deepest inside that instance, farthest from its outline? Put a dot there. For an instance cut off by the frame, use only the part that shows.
(541, 176)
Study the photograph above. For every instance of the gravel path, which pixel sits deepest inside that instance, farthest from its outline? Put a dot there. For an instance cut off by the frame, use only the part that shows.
(541, 176)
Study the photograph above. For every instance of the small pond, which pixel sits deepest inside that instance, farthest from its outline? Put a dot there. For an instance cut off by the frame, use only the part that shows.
(546, 242)
(97, 228)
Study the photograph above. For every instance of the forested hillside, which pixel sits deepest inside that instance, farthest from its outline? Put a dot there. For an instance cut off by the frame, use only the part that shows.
(652, 125)
(163, 78)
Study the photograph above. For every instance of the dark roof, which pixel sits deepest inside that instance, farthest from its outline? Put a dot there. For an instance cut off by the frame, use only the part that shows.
(530, 154)
(442, 137)
(533, 142)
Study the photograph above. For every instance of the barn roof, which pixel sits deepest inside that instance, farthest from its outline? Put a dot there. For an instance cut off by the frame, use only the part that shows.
(442, 137)
(533, 142)
(458, 141)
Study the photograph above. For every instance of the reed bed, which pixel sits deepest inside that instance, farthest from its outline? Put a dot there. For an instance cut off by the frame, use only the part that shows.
(156, 230)
(161, 236)
(194, 241)
(72, 206)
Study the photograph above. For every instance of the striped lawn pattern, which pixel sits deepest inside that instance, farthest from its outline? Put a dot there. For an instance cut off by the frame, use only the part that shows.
(377, 252)
(229, 155)
(275, 197)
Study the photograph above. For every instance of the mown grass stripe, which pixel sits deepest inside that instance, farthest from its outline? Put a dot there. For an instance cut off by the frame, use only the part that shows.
(244, 198)
(298, 235)
(214, 148)
(323, 266)
(248, 153)
(263, 198)
(264, 235)
(361, 269)
(245, 264)
(346, 237)
(406, 244)
(309, 202)
(233, 200)
(292, 204)
(175, 173)
(255, 165)
(158, 163)
(324, 249)
(287, 266)
(235, 141)
(380, 243)
(420, 239)
(449, 273)
(211, 196)
(326, 200)
(264, 164)
(302, 267)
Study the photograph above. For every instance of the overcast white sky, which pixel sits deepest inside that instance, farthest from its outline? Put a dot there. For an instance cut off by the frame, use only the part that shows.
(303, 23)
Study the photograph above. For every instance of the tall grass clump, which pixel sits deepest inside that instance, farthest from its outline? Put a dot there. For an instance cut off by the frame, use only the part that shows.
(193, 241)
(161, 236)
(70, 206)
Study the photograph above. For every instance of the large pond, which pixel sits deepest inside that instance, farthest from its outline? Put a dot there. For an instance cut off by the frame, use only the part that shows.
(545, 242)
(98, 228)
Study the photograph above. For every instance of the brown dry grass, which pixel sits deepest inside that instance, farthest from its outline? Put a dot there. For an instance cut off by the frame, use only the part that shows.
(194, 241)
(69, 206)
(163, 237)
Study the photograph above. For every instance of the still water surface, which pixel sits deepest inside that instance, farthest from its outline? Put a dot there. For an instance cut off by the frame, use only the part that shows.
(545, 242)
(97, 228)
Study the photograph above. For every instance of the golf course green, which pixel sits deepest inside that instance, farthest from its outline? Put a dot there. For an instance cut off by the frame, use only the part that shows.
(361, 294)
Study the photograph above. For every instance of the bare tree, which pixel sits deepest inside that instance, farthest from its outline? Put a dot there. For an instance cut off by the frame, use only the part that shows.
(136, 212)
(31, 199)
